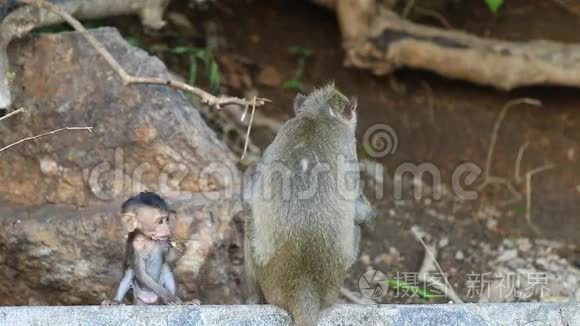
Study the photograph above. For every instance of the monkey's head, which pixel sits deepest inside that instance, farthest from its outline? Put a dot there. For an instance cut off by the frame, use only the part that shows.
(328, 102)
(149, 214)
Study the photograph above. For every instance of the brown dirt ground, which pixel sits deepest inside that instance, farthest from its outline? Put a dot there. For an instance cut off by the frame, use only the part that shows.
(455, 128)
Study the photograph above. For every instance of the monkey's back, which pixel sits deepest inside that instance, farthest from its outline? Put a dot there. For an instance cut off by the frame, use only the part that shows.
(301, 214)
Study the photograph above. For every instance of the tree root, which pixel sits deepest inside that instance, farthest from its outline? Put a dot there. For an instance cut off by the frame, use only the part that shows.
(377, 39)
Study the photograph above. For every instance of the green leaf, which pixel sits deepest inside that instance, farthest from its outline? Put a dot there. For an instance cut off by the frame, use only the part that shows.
(192, 69)
(494, 5)
(214, 76)
(134, 41)
(10, 74)
(181, 50)
(520, 210)
(300, 51)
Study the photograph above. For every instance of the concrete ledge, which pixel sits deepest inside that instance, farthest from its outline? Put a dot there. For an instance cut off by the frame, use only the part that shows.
(413, 315)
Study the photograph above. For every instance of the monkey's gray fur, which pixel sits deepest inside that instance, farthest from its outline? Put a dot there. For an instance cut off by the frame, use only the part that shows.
(302, 230)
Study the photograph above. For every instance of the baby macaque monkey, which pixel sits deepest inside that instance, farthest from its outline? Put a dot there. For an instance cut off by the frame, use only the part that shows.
(302, 231)
(148, 274)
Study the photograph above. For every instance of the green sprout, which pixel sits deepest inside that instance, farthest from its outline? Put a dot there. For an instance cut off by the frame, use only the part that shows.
(134, 41)
(295, 83)
(494, 5)
(520, 210)
(398, 284)
(204, 55)
(10, 75)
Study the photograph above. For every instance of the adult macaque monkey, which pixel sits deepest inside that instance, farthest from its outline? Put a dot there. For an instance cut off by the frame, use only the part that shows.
(303, 229)
(147, 218)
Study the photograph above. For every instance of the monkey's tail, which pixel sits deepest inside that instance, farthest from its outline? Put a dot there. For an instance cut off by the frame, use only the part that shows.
(306, 307)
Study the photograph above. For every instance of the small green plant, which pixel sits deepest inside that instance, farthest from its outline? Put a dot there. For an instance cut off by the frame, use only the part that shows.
(295, 83)
(204, 55)
(512, 239)
(412, 289)
(494, 5)
(10, 74)
(134, 41)
(520, 210)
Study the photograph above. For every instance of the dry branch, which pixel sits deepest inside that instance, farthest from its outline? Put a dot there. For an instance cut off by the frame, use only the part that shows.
(487, 177)
(12, 113)
(18, 21)
(529, 175)
(376, 38)
(89, 129)
(205, 97)
(429, 265)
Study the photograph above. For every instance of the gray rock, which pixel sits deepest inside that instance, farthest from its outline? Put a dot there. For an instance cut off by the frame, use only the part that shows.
(353, 315)
(59, 238)
(17, 20)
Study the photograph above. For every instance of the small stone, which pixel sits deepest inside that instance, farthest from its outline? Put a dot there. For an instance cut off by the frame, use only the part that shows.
(180, 20)
(524, 244)
(49, 166)
(459, 255)
(491, 224)
(507, 255)
(365, 259)
(389, 259)
(443, 242)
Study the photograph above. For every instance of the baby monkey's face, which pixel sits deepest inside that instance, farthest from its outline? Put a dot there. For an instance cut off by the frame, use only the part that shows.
(154, 223)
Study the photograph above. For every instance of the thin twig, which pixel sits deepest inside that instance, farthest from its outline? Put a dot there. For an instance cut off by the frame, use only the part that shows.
(408, 8)
(430, 252)
(127, 79)
(247, 141)
(89, 129)
(529, 175)
(353, 298)
(11, 114)
(495, 132)
(521, 151)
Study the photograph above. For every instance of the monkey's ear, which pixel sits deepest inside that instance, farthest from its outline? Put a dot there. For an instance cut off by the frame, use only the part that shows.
(349, 110)
(130, 221)
(298, 101)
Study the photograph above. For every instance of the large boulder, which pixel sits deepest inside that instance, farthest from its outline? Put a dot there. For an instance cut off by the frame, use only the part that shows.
(60, 239)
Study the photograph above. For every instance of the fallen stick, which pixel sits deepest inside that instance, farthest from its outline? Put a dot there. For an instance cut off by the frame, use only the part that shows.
(89, 129)
(529, 175)
(12, 113)
(376, 38)
(487, 177)
(430, 264)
